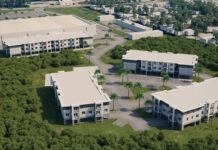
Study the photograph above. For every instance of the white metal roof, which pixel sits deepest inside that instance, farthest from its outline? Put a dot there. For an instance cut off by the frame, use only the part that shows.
(44, 38)
(79, 87)
(146, 28)
(190, 97)
(39, 24)
(182, 59)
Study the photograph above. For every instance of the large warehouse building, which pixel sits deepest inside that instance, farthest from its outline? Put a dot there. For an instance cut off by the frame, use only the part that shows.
(153, 63)
(45, 34)
(79, 96)
(187, 104)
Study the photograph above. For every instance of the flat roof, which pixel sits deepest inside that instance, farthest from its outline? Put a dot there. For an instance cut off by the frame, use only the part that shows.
(136, 24)
(79, 87)
(44, 38)
(168, 57)
(146, 32)
(38, 24)
(190, 97)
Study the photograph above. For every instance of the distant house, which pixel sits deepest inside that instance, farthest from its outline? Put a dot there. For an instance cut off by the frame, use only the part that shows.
(144, 20)
(103, 18)
(129, 17)
(79, 96)
(188, 32)
(206, 38)
(167, 29)
(212, 29)
(107, 10)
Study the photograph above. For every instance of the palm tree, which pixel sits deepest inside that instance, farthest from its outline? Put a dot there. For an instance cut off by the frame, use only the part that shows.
(138, 87)
(165, 77)
(113, 97)
(122, 72)
(109, 31)
(89, 53)
(198, 70)
(138, 97)
(127, 72)
(106, 36)
(101, 79)
(148, 102)
(85, 44)
(128, 85)
(97, 72)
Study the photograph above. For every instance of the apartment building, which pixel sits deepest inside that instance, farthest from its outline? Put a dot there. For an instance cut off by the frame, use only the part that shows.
(23, 37)
(52, 42)
(153, 63)
(79, 96)
(187, 105)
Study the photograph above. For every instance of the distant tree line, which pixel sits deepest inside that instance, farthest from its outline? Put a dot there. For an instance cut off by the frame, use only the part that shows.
(183, 11)
(207, 53)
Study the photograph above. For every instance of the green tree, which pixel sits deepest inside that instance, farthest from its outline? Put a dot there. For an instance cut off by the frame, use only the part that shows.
(113, 97)
(97, 72)
(122, 72)
(165, 77)
(85, 44)
(138, 87)
(128, 85)
(101, 79)
(138, 97)
(198, 69)
(89, 53)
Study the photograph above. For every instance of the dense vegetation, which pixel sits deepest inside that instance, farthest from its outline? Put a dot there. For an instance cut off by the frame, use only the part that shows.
(183, 11)
(207, 53)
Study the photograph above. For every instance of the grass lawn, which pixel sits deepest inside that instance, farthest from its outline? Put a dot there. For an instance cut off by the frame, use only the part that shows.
(108, 60)
(143, 90)
(78, 11)
(162, 88)
(97, 128)
(198, 131)
(100, 44)
(196, 79)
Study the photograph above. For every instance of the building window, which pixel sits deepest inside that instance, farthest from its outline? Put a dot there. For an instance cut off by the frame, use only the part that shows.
(197, 115)
(67, 114)
(83, 112)
(90, 112)
(106, 109)
(192, 117)
(187, 118)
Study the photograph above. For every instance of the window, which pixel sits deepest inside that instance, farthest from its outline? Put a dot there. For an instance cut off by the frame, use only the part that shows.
(67, 114)
(83, 112)
(197, 115)
(90, 112)
(106, 109)
(192, 117)
(187, 118)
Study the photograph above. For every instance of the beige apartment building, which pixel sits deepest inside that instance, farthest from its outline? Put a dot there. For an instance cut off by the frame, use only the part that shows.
(23, 37)
(153, 63)
(79, 96)
(187, 105)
